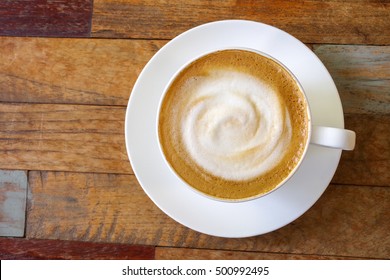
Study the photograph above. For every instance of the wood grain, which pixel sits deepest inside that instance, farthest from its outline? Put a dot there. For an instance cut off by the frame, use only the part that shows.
(170, 253)
(76, 71)
(361, 74)
(369, 162)
(25, 249)
(13, 196)
(84, 138)
(63, 137)
(62, 18)
(339, 22)
(347, 221)
(103, 72)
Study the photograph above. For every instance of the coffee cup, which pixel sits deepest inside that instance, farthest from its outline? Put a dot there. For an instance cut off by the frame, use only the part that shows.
(234, 124)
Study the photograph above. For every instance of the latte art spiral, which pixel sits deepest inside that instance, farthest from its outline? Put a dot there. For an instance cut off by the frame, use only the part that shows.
(236, 126)
(233, 124)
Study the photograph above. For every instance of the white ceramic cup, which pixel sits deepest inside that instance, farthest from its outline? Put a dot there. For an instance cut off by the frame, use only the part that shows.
(332, 137)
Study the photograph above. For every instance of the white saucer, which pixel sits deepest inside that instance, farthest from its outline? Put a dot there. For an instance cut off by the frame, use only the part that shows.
(195, 211)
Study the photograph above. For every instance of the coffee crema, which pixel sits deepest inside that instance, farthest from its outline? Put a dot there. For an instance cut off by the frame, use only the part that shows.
(233, 124)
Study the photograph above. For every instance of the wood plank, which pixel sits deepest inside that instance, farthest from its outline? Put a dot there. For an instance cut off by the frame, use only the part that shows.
(25, 249)
(103, 72)
(369, 162)
(76, 71)
(348, 221)
(13, 196)
(339, 22)
(84, 138)
(61, 18)
(361, 74)
(63, 137)
(171, 253)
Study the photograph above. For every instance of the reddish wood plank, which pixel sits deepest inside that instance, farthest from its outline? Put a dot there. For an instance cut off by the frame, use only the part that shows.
(13, 196)
(340, 22)
(61, 18)
(17, 249)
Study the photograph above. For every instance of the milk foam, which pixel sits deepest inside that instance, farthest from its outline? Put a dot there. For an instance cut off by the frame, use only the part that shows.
(235, 126)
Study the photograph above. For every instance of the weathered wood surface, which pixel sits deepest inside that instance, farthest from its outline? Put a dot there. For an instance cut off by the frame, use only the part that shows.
(361, 74)
(76, 71)
(103, 72)
(61, 18)
(24, 249)
(369, 162)
(340, 22)
(83, 138)
(13, 196)
(360, 22)
(63, 137)
(349, 221)
(62, 107)
(172, 253)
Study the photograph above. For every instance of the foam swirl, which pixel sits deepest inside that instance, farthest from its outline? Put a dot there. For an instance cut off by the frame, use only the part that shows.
(235, 125)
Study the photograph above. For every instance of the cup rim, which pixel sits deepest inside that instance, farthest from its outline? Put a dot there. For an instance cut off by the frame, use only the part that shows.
(292, 172)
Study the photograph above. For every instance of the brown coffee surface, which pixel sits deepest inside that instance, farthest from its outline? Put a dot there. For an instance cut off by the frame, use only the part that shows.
(174, 108)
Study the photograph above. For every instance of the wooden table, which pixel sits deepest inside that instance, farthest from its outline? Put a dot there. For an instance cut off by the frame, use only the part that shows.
(67, 189)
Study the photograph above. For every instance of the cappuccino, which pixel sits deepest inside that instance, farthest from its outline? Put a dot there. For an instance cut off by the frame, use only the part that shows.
(233, 124)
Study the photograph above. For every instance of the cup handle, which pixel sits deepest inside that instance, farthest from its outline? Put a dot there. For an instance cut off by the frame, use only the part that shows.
(333, 137)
